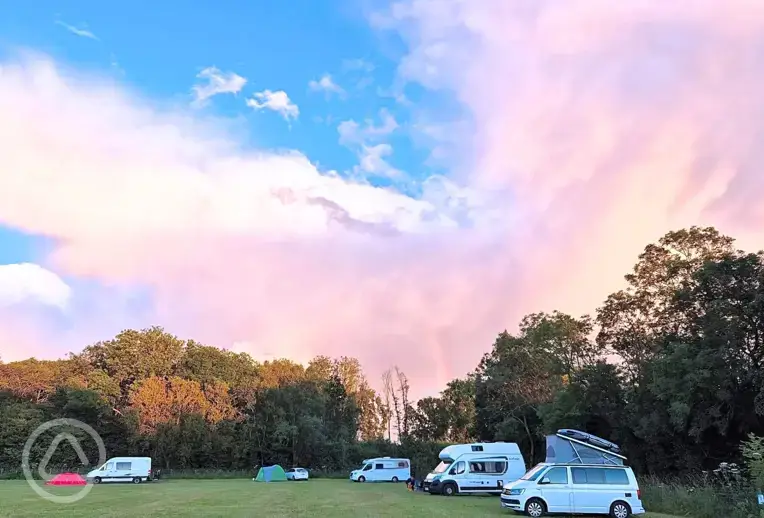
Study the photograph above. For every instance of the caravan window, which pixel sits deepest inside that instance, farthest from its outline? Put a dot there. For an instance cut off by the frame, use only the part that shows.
(379, 466)
(124, 466)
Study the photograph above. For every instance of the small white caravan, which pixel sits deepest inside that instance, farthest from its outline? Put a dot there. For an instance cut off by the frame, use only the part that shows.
(123, 469)
(382, 469)
(476, 468)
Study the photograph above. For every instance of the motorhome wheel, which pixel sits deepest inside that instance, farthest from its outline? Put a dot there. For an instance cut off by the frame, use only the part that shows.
(449, 489)
(137, 480)
(361, 479)
(395, 479)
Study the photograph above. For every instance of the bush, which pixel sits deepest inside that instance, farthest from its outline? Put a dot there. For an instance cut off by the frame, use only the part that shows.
(699, 497)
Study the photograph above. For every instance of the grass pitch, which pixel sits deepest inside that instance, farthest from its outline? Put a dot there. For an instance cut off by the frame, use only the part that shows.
(244, 498)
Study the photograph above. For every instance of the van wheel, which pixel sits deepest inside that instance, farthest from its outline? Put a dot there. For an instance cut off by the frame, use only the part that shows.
(535, 508)
(620, 510)
(395, 479)
(449, 489)
(97, 480)
(361, 479)
(137, 480)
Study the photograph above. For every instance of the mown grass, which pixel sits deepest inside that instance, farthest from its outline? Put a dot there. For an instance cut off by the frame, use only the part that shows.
(244, 498)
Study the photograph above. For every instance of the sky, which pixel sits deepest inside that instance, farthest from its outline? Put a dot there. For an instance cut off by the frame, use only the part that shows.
(394, 181)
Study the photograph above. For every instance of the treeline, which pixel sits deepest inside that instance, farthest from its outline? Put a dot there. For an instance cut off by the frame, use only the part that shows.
(669, 367)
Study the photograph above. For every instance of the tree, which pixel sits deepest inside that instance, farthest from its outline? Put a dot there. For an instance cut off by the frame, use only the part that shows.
(136, 355)
(634, 322)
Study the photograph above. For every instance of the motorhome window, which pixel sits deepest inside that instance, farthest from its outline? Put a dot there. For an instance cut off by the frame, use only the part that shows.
(477, 448)
(534, 473)
(440, 468)
(616, 476)
(124, 466)
(488, 467)
(110, 466)
(379, 466)
(459, 468)
(557, 475)
(403, 464)
(367, 467)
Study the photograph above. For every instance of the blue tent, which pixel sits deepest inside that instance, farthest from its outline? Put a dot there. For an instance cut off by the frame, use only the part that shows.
(271, 474)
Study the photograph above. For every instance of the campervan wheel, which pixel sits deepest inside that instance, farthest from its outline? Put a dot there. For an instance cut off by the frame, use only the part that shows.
(535, 508)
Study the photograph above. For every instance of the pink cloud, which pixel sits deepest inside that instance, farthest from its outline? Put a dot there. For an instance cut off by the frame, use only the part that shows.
(595, 128)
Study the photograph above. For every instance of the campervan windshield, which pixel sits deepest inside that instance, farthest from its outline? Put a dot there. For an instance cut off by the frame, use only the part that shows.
(534, 473)
(442, 467)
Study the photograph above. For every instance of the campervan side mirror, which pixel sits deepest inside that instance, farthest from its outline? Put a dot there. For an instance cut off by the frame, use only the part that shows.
(545, 480)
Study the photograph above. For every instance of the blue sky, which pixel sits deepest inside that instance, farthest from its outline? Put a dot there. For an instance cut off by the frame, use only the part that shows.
(157, 50)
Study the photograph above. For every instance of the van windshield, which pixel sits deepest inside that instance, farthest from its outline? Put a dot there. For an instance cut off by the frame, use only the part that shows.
(440, 468)
(534, 473)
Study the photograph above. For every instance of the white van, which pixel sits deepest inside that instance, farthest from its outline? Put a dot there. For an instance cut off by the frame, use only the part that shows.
(382, 469)
(476, 468)
(575, 488)
(123, 469)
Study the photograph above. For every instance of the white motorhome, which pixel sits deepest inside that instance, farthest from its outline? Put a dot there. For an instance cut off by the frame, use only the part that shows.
(476, 468)
(123, 469)
(382, 469)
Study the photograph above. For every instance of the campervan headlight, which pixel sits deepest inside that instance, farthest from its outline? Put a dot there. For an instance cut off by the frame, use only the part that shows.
(514, 492)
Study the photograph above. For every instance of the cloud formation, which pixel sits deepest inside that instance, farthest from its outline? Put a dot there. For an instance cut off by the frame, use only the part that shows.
(28, 282)
(277, 101)
(593, 128)
(215, 82)
(326, 84)
(83, 33)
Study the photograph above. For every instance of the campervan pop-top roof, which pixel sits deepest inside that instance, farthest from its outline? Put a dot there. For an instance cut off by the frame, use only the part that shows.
(576, 447)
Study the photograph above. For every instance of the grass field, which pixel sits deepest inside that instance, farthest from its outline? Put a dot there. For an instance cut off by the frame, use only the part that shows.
(244, 498)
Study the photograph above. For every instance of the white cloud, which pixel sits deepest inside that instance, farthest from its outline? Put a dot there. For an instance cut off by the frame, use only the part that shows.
(216, 82)
(357, 64)
(368, 142)
(83, 33)
(277, 101)
(25, 282)
(353, 133)
(326, 84)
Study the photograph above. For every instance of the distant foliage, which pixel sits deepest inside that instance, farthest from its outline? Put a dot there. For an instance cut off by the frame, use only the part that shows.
(670, 368)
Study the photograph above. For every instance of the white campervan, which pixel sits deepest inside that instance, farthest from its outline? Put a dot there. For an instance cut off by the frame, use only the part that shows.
(123, 469)
(583, 474)
(476, 468)
(382, 469)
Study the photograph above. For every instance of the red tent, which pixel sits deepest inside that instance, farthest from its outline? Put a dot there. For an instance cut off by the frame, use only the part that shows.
(67, 479)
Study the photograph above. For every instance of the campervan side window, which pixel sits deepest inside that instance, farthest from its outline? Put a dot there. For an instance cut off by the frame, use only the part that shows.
(616, 476)
(557, 475)
(589, 475)
(488, 467)
(124, 466)
(379, 466)
(459, 468)
(110, 466)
